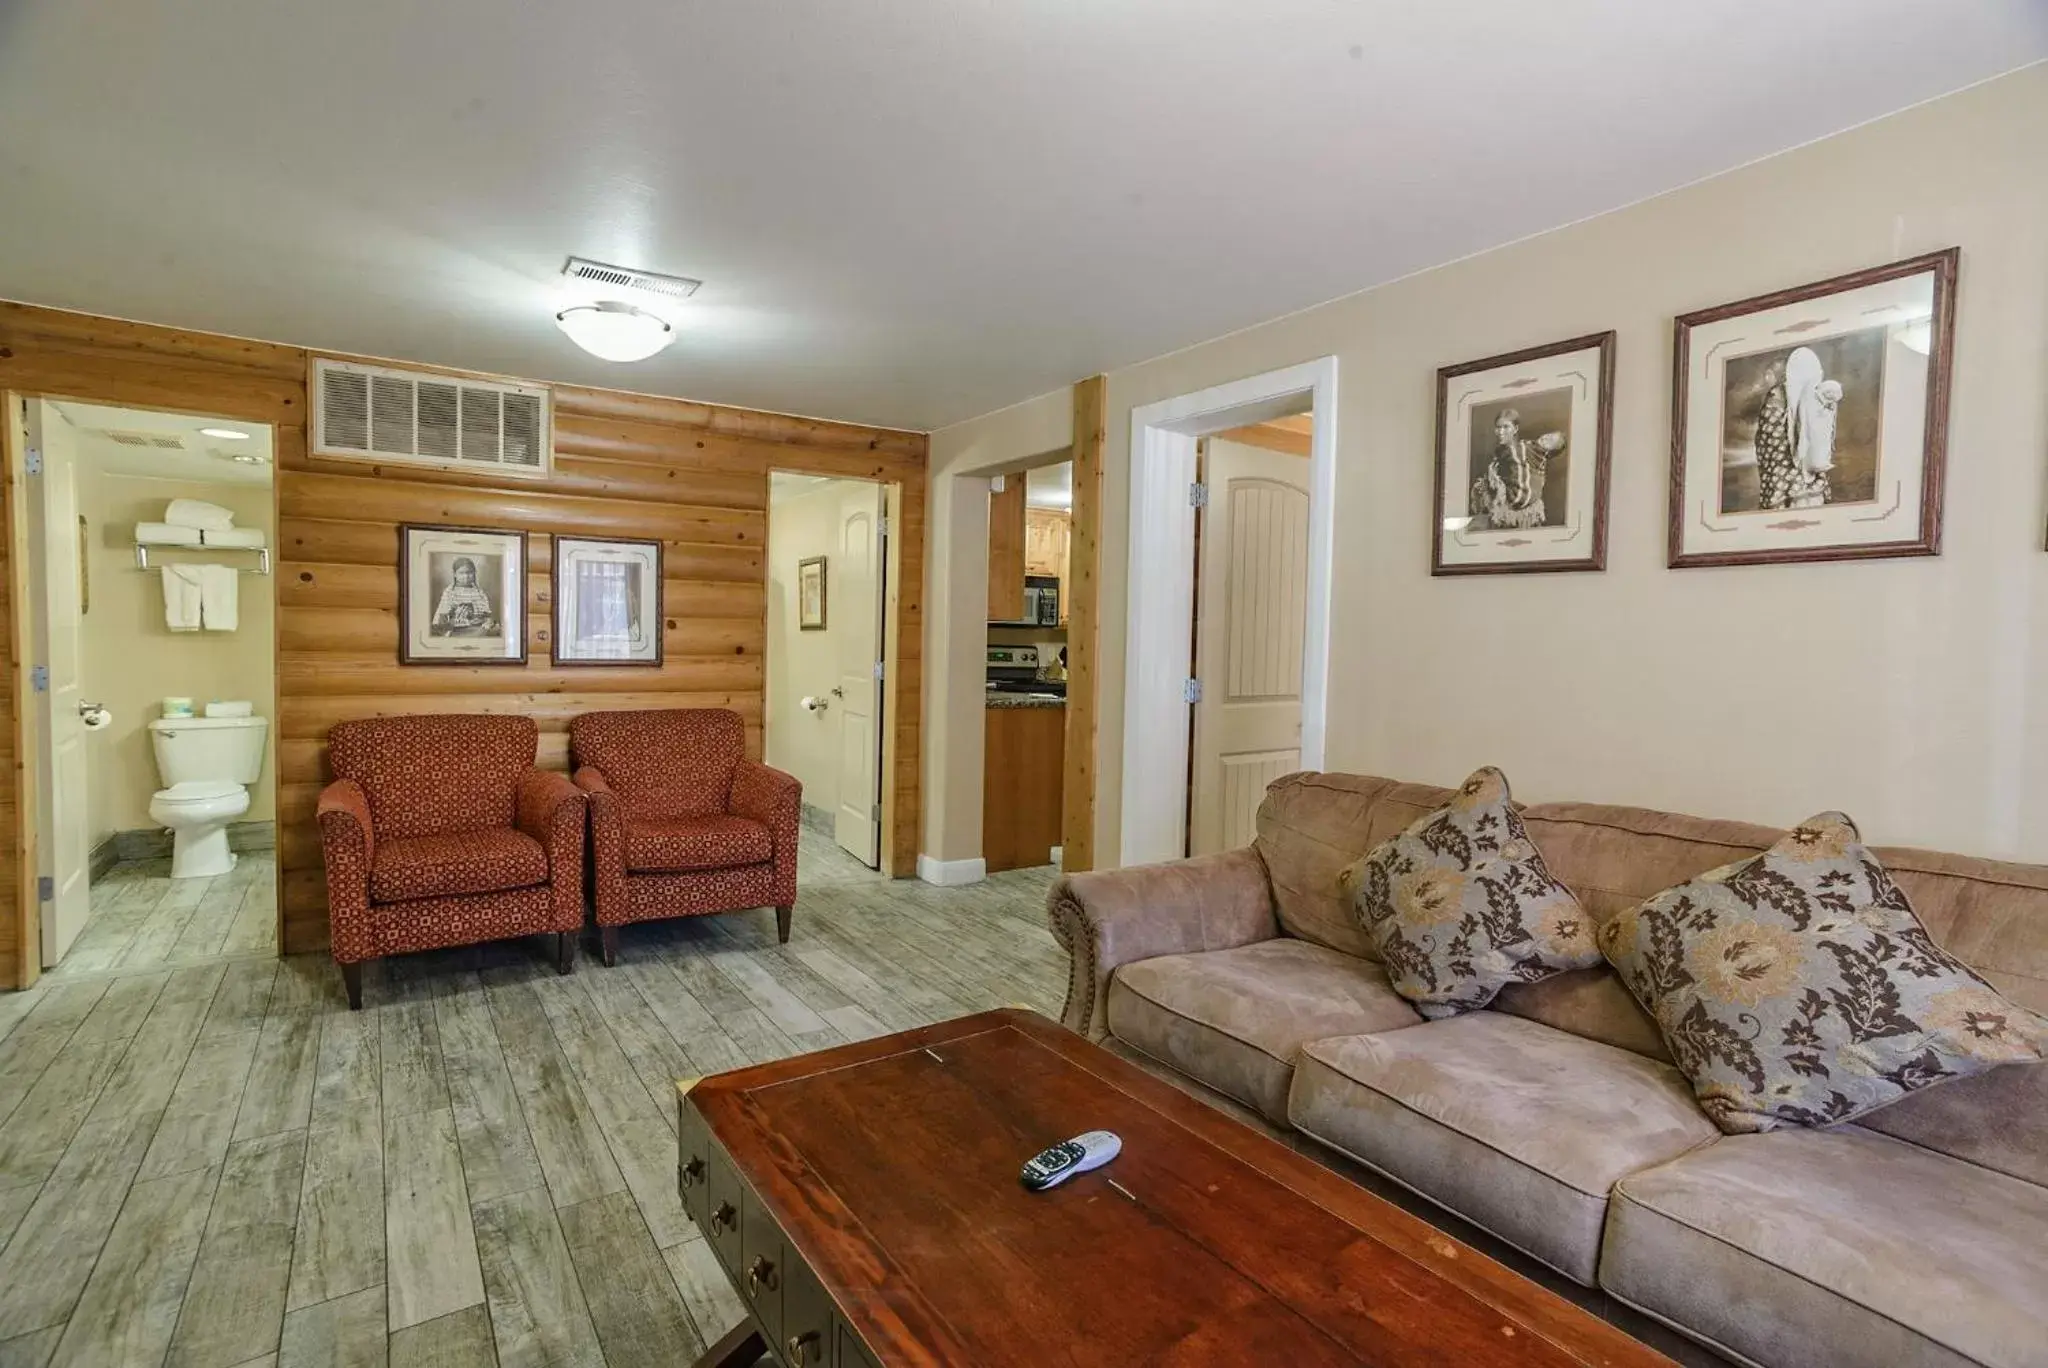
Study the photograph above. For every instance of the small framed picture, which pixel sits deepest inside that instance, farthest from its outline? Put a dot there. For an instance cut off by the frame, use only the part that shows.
(461, 596)
(810, 594)
(1811, 424)
(608, 603)
(1521, 460)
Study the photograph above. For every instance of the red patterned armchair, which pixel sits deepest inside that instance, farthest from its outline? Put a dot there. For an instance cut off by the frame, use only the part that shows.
(682, 823)
(437, 831)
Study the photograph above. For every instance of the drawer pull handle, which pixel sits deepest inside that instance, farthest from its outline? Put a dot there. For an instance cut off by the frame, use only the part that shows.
(800, 1347)
(725, 1217)
(693, 1172)
(762, 1277)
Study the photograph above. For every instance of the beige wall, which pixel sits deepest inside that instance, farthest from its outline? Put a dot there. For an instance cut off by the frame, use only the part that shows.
(1911, 693)
(806, 744)
(133, 661)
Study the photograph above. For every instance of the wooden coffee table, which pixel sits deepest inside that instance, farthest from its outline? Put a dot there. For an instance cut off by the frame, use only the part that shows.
(865, 1202)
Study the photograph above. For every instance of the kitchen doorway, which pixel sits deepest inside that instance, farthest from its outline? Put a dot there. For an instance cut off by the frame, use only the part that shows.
(827, 645)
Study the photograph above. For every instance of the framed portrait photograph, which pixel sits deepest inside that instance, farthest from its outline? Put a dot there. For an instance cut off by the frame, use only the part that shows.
(1811, 424)
(810, 594)
(607, 601)
(461, 596)
(1521, 460)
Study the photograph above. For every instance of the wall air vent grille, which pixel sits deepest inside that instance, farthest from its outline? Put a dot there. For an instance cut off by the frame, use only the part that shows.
(624, 277)
(371, 413)
(162, 441)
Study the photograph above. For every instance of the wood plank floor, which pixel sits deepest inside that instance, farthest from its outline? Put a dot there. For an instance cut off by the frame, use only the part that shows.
(206, 1160)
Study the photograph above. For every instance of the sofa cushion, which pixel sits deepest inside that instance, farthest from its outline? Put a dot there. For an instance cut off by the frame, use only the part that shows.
(663, 762)
(680, 843)
(1521, 1129)
(1836, 1246)
(1460, 904)
(435, 773)
(1797, 987)
(1312, 827)
(1235, 1020)
(456, 862)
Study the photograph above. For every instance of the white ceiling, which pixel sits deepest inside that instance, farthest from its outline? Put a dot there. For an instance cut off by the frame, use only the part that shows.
(198, 458)
(904, 211)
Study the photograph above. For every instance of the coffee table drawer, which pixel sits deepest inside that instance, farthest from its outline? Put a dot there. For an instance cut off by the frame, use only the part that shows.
(693, 1163)
(763, 1270)
(808, 1324)
(722, 1204)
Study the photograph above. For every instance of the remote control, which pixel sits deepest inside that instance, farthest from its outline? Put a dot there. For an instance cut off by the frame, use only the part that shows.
(1053, 1166)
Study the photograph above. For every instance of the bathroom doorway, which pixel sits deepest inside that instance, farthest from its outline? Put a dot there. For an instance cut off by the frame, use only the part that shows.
(144, 540)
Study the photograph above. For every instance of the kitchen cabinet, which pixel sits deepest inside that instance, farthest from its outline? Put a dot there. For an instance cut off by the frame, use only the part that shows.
(1021, 785)
(1006, 538)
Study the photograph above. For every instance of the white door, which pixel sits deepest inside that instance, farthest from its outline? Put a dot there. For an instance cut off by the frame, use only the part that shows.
(856, 591)
(1251, 613)
(56, 555)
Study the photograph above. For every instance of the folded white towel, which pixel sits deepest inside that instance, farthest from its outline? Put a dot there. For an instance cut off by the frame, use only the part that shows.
(231, 708)
(233, 536)
(163, 534)
(198, 513)
(181, 597)
(218, 605)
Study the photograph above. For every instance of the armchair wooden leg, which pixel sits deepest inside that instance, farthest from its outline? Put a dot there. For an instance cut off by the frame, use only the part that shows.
(565, 952)
(608, 939)
(352, 979)
(782, 917)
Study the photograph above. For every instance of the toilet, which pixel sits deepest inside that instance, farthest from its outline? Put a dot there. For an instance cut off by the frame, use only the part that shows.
(207, 765)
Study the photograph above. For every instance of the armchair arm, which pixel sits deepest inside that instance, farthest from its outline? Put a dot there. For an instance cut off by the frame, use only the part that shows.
(775, 800)
(1110, 918)
(607, 846)
(347, 843)
(550, 810)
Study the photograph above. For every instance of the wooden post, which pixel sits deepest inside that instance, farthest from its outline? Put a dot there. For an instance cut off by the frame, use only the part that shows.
(1077, 814)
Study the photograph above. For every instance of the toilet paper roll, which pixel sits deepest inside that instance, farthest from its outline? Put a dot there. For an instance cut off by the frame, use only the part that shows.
(810, 704)
(98, 719)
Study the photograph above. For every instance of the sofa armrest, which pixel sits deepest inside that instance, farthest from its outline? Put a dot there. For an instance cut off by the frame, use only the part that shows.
(1115, 916)
(775, 800)
(550, 810)
(607, 846)
(347, 845)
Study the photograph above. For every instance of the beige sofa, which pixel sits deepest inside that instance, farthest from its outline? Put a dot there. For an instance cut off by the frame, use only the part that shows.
(1555, 1121)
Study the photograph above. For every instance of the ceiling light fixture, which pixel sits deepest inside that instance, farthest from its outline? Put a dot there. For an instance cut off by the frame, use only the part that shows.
(225, 434)
(613, 331)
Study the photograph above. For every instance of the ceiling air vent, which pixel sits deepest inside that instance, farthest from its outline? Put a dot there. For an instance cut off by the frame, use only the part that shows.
(624, 277)
(370, 413)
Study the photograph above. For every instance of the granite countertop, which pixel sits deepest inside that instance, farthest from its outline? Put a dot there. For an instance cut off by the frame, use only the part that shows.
(1020, 700)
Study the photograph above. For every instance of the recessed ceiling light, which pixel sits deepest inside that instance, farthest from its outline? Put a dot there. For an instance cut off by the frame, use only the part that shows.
(225, 434)
(613, 331)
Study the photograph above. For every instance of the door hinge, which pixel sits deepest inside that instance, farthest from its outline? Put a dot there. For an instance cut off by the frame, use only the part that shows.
(1198, 495)
(874, 812)
(878, 669)
(39, 678)
(46, 888)
(882, 525)
(34, 461)
(1191, 691)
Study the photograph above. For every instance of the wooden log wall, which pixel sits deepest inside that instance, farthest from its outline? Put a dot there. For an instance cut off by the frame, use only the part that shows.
(694, 476)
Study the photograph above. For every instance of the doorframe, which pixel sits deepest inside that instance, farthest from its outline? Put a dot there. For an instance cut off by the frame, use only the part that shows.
(28, 790)
(887, 700)
(1159, 622)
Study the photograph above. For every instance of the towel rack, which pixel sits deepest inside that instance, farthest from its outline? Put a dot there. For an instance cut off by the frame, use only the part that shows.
(142, 551)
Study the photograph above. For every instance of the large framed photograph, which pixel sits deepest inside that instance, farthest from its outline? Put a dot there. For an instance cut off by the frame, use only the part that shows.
(608, 603)
(461, 596)
(1521, 460)
(810, 594)
(1811, 424)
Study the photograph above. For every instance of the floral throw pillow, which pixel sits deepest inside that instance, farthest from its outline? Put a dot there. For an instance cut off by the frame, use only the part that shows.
(1798, 987)
(1460, 904)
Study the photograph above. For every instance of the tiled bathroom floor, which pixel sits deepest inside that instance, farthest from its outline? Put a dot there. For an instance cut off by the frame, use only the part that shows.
(144, 919)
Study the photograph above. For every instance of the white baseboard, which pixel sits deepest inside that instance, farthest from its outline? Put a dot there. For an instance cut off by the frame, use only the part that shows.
(951, 873)
(1059, 857)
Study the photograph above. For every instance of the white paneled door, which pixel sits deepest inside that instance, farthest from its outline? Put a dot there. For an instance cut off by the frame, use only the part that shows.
(855, 589)
(1251, 617)
(56, 569)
